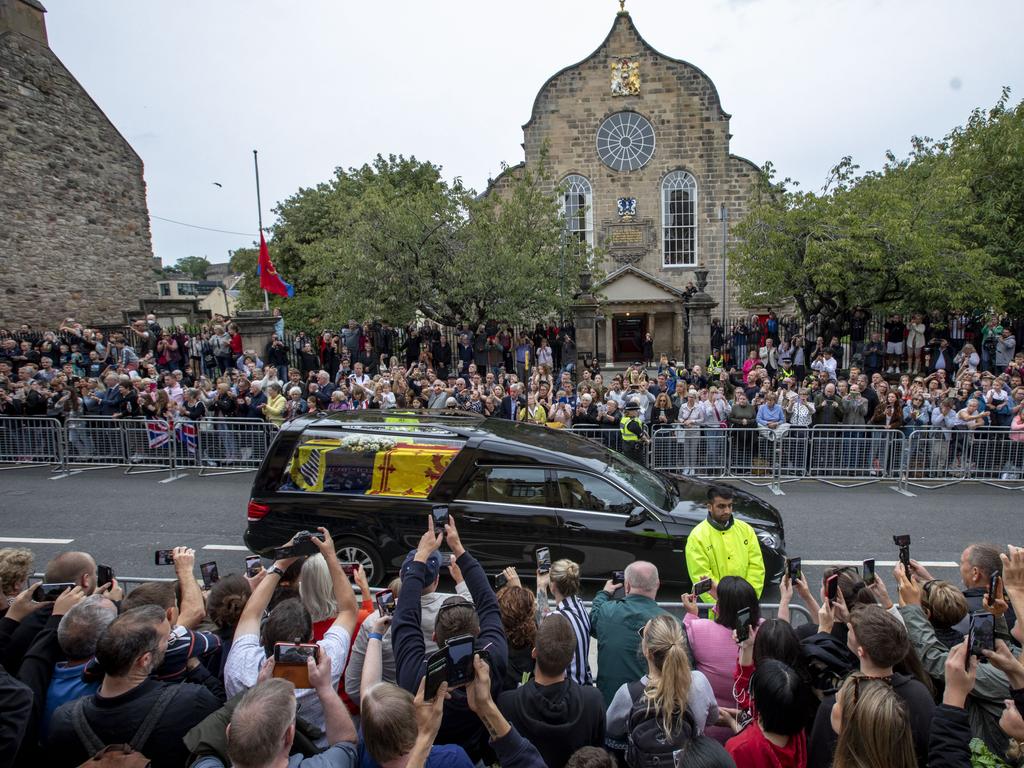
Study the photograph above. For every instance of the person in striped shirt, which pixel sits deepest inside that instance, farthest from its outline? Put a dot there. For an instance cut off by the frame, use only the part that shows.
(563, 582)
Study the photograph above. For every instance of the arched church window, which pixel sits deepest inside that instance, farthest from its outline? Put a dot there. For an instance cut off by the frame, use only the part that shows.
(578, 205)
(679, 220)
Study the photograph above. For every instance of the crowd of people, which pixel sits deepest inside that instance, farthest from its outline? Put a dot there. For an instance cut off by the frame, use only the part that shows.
(177, 674)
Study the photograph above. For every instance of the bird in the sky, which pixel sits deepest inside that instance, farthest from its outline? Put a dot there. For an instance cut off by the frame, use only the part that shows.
(218, 184)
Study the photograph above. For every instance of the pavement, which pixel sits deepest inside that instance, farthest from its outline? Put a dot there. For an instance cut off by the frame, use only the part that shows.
(121, 520)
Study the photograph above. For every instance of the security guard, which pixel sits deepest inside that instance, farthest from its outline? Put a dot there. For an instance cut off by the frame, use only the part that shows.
(716, 363)
(631, 428)
(723, 546)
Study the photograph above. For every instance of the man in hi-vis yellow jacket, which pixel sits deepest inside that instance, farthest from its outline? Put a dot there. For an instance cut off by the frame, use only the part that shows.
(722, 546)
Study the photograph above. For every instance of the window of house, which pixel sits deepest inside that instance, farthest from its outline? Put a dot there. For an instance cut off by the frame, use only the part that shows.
(578, 208)
(165, 289)
(679, 220)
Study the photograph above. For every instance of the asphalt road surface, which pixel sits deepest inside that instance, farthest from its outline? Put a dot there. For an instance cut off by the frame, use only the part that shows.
(122, 519)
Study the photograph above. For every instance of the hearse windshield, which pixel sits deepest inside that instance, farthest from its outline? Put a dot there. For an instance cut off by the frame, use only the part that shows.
(658, 492)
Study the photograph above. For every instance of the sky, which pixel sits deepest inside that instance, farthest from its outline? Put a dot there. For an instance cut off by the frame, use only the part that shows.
(196, 85)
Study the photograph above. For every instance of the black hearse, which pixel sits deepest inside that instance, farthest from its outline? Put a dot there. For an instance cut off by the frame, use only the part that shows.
(372, 477)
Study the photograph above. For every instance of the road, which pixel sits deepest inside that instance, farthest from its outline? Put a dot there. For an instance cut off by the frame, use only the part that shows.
(122, 519)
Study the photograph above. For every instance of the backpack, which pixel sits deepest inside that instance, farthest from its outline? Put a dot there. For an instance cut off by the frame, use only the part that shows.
(829, 661)
(647, 745)
(119, 755)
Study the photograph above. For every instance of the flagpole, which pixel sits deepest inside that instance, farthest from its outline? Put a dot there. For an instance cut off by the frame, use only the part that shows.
(259, 214)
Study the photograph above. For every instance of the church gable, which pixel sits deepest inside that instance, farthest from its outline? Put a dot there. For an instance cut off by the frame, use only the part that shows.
(629, 285)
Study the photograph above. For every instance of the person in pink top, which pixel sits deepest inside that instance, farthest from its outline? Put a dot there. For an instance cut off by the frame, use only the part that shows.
(711, 640)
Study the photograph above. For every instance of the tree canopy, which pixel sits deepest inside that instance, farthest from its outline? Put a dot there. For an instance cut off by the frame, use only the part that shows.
(394, 238)
(193, 266)
(938, 229)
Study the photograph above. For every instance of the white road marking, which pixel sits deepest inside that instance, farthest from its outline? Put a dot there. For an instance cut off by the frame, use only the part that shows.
(15, 540)
(227, 547)
(890, 563)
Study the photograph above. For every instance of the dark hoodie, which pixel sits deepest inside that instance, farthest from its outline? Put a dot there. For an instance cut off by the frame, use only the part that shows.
(557, 719)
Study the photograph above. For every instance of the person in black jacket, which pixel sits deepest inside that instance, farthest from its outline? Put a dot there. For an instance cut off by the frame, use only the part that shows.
(880, 641)
(554, 713)
(131, 648)
(15, 712)
(512, 403)
(457, 616)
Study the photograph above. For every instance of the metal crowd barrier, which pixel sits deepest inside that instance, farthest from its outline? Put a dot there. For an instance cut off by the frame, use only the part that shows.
(30, 440)
(229, 446)
(937, 457)
(855, 455)
(609, 437)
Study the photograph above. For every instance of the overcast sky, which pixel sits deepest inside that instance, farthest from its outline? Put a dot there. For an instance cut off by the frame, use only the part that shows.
(196, 85)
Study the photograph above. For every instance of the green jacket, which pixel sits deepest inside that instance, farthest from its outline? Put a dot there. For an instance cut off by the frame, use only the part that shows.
(991, 688)
(733, 552)
(615, 623)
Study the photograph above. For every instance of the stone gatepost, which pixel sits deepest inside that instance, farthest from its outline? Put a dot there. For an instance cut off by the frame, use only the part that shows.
(256, 327)
(701, 305)
(584, 313)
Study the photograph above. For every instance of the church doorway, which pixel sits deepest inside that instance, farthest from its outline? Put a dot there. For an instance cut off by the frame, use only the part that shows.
(628, 337)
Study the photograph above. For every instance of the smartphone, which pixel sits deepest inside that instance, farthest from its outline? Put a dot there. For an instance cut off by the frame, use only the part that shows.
(793, 568)
(702, 586)
(303, 545)
(47, 593)
(386, 602)
(619, 577)
(868, 571)
(440, 514)
(253, 565)
(742, 624)
(459, 652)
(104, 575)
(210, 574)
(164, 557)
(903, 542)
(500, 580)
(543, 560)
(832, 588)
(350, 569)
(437, 673)
(994, 588)
(290, 662)
(981, 635)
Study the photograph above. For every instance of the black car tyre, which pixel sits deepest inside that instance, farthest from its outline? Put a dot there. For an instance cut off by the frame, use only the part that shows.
(358, 551)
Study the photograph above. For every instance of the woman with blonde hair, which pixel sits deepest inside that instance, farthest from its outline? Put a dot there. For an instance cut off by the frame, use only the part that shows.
(15, 568)
(669, 706)
(563, 581)
(873, 725)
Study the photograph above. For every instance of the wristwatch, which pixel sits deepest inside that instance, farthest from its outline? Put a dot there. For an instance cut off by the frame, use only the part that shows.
(275, 569)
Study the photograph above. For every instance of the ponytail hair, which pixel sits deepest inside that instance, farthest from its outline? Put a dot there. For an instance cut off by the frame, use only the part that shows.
(668, 694)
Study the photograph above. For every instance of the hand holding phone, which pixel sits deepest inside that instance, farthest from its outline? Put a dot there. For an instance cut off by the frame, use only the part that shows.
(981, 636)
(702, 586)
(440, 514)
(104, 575)
(793, 569)
(49, 592)
(903, 542)
(832, 588)
(459, 652)
(209, 573)
(742, 624)
(290, 662)
(543, 560)
(253, 565)
(868, 571)
(164, 557)
(386, 602)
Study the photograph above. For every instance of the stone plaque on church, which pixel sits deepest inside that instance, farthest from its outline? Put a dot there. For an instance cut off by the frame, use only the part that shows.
(634, 236)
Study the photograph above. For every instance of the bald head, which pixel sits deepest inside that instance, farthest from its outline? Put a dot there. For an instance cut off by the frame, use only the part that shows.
(76, 567)
(642, 579)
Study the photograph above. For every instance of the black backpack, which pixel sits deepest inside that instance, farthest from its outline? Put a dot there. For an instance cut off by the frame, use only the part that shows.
(128, 755)
(647, 744)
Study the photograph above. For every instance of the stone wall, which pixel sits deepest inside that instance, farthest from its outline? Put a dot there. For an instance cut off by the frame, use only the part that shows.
(691, 134)
(74, 227)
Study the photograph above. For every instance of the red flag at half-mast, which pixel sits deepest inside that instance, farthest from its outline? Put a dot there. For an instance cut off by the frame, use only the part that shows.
(270, 281)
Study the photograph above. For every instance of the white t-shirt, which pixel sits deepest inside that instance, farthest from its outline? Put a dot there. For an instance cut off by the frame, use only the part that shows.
(246, 657)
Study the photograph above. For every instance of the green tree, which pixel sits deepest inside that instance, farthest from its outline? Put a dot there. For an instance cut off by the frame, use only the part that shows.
(394, 240)
(914, 235)
(193, 266)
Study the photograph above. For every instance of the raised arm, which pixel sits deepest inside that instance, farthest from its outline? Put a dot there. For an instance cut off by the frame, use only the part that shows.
(348, 609)
(339, 725)
(193, 607)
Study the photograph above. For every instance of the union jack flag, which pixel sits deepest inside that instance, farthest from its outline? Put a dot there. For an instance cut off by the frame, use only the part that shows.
(185, 432)
(158, 433)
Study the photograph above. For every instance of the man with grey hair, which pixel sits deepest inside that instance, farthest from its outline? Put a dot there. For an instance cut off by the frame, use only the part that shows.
(262, 727)
(616, 624)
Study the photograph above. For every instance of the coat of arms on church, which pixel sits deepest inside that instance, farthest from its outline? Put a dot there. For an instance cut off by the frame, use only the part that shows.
(625, 76)
(626, 207)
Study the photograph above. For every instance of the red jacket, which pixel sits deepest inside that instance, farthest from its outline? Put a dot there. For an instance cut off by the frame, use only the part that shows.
(750, 749)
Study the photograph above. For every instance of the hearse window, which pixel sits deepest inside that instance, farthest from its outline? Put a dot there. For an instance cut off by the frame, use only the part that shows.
(508, 485)
(368, 464)
(591, 494)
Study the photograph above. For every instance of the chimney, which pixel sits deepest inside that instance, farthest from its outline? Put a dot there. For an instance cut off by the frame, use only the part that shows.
(24, 17)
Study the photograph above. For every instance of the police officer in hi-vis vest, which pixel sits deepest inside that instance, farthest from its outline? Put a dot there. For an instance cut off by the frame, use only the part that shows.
(634, 437)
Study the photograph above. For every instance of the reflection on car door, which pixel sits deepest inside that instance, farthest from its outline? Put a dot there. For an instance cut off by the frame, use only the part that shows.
(504, 514)
(593, 530)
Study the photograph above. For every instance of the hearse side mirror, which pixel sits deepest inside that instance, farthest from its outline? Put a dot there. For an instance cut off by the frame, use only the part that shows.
(636, 517)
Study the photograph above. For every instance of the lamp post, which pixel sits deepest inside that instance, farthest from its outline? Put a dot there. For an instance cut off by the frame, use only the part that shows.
(723, 215)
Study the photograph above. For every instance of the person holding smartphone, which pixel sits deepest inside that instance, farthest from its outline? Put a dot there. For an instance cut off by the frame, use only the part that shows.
(457, 617)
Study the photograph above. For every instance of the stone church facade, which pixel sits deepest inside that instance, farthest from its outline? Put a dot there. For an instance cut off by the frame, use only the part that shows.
(74, 238)
(640, 142)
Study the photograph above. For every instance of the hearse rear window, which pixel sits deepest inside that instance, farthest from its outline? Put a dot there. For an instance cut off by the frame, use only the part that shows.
(370, 464)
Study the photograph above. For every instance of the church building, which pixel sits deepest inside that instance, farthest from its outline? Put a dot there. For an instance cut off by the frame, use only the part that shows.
(640, 143)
